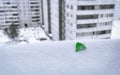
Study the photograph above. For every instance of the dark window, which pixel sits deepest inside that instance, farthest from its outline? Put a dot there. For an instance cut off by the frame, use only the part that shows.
(16, 21)
(34, 6)
(67, 6)
(86, 25)
(14, 6)
(15, 14)
(67, 14)
(71, 7)
(89, 7)
(12, 21)
(103, 32)
(34, 3)
(1, 10)
(106, 6)
(35, 10)
(87, 16)
(36, 17)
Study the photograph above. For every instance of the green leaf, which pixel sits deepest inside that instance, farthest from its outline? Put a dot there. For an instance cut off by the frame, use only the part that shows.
(80, 47)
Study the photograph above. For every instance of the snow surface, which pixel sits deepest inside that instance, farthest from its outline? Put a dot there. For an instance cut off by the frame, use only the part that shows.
(102, 57)
(3, 38)
(30, 34)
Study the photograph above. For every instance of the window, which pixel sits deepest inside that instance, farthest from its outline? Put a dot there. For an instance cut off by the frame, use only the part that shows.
(87, 16)
(14, 6)
(105, 23)
(110, 15)
(67, 6)
(84, 34)
(15, 14)
(67, 14)
(71, 24)
(71, 16)
(1, 10)
(79, 26)
(107, 6)
(103, 32)
(106, 15)
(36, 17)
(71, 7)
(35, 20)
(89, 7)
(101, 15)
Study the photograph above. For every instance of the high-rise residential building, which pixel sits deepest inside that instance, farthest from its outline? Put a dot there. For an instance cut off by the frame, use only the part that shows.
(29, 12)
(8, 13)
(58, 19)
(81, 19)
(46, 15)
(117, 10)
(25, 13)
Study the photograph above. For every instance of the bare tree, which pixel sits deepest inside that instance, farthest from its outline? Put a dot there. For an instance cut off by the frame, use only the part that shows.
(12, 32)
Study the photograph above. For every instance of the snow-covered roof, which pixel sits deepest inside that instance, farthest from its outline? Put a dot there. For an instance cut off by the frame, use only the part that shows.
(102, 57)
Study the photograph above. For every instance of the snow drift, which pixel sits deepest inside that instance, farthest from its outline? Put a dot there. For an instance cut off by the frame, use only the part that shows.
(102, 57)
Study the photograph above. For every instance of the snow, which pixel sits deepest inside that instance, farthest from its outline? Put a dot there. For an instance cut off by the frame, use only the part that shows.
(3, 38)
(32, 32)
(102, 57)
(31, 35)
(59, 58)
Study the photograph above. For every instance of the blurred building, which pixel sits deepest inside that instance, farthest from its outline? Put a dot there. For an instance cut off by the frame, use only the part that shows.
(81, 19)
(20, 12)
(29, 12)
(58, 16)
(8, 13)
(46, 15)
(117, 10)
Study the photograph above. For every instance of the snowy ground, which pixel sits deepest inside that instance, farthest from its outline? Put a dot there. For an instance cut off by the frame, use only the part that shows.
(102, 57)
(31, 34)
(3, 38)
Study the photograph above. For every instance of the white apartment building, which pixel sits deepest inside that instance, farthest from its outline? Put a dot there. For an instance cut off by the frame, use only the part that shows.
(58, 19)
(29, 12)
(81, 19)
(8, 13)
(46, 16)
(20, 12)
(117, 10)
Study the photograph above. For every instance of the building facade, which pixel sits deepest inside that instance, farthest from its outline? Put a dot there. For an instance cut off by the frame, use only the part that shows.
(29, 12)
(81, 19)
(58, 19)
(46, 15)
(8, 13)
(25, 13)
(117, 10)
